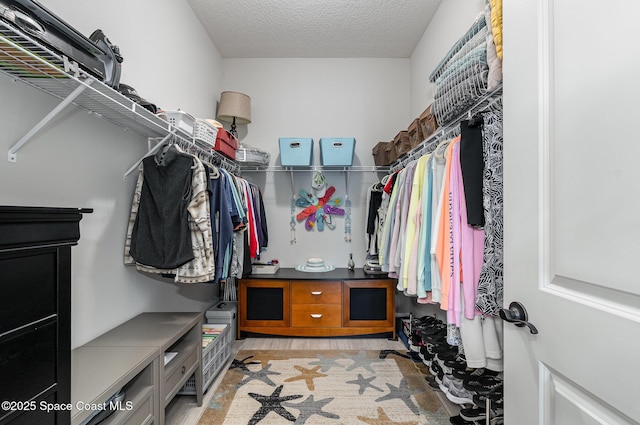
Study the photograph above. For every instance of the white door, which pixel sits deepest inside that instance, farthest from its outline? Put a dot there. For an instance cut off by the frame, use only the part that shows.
(572, 210)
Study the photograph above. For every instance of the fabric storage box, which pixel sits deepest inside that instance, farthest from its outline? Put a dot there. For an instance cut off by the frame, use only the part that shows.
(226, 144)
(381, 154)
(337, 151)
(392, 154)
(428, 123)
(415, 133)
(295, 151)
(401, 142)
(224, 312)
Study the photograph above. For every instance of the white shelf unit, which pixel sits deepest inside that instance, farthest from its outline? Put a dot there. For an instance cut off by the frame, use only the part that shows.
(32, 63)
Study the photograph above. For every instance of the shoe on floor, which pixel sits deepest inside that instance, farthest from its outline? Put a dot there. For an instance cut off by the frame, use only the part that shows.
(458, 420)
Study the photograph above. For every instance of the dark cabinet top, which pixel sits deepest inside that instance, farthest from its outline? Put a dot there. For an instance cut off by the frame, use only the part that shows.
(22, 227)
(337, 274)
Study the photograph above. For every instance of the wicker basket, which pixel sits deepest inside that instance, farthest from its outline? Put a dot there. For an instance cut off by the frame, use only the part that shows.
(415, 133)
(392, 153)
(381, 154)
(428, 123)
(401, 141)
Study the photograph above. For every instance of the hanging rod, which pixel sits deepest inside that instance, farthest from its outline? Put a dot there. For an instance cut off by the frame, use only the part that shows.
(150, 152)
(322, 168)
(195, 147)
(485, 103)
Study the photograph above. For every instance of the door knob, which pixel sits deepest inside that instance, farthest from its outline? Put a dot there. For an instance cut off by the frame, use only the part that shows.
(517, 315)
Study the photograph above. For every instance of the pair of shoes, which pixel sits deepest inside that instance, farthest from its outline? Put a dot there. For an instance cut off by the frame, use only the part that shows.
(483, 384)
(454, 390)
(494, 396)
(479, 413)
(469, 374)
(434, 386)
(424, 320)
(458, 420)
(459, 363)
(436, 371)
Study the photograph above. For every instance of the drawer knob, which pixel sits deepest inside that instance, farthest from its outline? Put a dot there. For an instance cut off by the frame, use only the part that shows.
(316, 292)
(184, 369)
(316, 316)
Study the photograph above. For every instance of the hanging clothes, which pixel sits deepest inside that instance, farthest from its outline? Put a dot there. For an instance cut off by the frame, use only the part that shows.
(160, 235)
(489, 299)
(472, 164)
(196, 243)
(221, 212)
(202, 267)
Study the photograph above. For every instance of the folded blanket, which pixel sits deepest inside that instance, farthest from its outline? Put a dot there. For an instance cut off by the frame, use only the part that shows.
(466, 64)
(477, 40)
(455, 99)
(479, 23)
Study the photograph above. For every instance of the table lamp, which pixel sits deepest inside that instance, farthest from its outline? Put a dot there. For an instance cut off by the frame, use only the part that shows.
(235, 108)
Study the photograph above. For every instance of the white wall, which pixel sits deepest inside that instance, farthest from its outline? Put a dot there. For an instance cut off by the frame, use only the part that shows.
(452, 19)
(78, 160)
(362, 98)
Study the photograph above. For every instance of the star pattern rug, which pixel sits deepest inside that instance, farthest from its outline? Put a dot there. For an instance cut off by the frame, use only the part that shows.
(342, 387)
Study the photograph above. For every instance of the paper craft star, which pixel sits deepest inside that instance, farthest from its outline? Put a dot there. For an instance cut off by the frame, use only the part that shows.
(308, 375)
(383, 419)
(272, 403)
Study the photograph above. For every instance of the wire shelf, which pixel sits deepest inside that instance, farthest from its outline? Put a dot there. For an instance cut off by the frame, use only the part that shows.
(25, 60)
(490, 100)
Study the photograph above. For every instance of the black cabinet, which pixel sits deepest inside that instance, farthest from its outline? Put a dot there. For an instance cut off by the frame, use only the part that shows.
(35, 311)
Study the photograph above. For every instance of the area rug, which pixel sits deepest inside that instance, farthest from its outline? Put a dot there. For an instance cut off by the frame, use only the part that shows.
(324, 387)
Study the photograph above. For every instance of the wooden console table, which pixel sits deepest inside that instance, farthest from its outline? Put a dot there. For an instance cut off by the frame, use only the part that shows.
(132, 356)
(335, 303)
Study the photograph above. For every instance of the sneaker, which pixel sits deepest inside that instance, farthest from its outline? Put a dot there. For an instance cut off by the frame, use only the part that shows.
(456, 393)
(481, 399)
(460, 395)
(479, 413)
(483, 384)
(456, 364)
(458, 420)
(435, 386)
(469, 374)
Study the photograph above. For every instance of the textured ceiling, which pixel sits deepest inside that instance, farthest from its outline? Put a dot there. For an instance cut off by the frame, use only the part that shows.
(315, 28)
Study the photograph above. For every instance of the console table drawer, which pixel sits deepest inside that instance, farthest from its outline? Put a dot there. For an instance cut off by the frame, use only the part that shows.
(310, 292)
(316, 315)
(143, 410)
(179, 374)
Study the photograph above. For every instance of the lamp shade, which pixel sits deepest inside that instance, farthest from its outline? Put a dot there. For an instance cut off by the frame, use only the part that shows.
(234, 105)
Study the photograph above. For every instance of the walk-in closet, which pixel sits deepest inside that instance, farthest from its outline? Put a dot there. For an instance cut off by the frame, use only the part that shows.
(270, 212)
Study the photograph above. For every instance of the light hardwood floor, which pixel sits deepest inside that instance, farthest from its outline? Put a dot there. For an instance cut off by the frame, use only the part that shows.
(183, 410)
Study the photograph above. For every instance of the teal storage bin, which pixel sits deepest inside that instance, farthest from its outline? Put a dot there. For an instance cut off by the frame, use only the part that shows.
(296, 151)
(337, 151)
